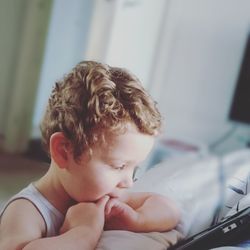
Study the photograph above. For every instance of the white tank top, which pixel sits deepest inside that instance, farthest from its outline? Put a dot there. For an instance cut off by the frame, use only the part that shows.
(53, 218)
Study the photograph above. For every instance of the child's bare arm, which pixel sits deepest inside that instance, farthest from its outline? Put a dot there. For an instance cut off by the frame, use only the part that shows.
(156, 212)
(142, 212)
(20, 224)
(22, 227)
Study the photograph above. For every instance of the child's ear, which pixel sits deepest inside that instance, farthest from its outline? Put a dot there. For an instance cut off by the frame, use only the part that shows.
(60, 149)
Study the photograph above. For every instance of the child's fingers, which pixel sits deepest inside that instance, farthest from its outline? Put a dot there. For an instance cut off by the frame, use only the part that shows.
(109, 206)
(115, 207)
(119, 216)
(103, 201)
(122, 208)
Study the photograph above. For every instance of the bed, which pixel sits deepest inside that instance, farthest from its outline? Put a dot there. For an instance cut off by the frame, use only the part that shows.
(199, 184)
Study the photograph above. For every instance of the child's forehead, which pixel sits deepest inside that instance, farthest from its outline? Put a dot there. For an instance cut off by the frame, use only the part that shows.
(129, 146)
(117, 156)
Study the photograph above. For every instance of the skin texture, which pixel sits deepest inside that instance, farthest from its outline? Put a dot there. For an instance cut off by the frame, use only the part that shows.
(92, 193)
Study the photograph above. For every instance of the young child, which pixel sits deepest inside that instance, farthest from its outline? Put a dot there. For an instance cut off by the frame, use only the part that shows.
(98, 126)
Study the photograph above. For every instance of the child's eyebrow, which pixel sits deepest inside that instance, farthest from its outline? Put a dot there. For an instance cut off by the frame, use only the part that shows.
(117, 160)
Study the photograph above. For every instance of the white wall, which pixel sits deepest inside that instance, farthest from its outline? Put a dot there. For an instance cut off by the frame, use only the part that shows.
(197, 65)
(66, 45)
(135, 36)
(125, 33)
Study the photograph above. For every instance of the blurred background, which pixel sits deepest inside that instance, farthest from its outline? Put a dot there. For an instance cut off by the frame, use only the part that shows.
(187, 53)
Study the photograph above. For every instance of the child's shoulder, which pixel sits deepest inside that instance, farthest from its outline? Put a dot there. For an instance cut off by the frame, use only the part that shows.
(20, 222)
(21, 211)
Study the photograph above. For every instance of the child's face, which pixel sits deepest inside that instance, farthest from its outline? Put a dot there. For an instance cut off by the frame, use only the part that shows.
(110, 169)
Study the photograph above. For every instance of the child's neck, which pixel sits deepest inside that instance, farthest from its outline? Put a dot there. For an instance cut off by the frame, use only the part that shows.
(51, 188)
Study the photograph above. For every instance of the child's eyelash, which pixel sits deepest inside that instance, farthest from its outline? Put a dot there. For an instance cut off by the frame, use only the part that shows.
(119, 167)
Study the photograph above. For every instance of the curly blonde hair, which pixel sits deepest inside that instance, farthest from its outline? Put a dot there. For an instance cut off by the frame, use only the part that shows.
(93, 99)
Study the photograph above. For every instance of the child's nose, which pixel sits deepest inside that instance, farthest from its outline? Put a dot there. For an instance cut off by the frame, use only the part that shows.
(126, 182)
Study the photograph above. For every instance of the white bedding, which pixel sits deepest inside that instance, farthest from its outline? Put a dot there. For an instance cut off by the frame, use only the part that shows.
(194, 183)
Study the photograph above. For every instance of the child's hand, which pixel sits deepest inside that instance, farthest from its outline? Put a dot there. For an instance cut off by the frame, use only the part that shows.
(120, 216)
(88, 215)
(141, 212)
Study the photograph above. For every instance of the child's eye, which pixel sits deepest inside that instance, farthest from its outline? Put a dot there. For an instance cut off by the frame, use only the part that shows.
(120, 167)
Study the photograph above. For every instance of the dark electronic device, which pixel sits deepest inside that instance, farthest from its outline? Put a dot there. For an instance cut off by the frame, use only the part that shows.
(240, 107)
(230, 232)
